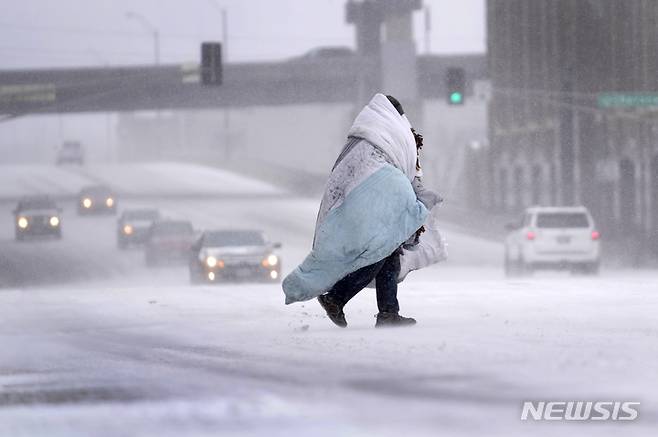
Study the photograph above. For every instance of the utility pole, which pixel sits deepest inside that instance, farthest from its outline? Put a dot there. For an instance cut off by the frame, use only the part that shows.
(225, 33)
(224, 14)
(428, 30)
(225, 52)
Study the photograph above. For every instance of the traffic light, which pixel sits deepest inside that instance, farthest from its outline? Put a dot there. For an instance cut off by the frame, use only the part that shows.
(211, 63)
(456, 86)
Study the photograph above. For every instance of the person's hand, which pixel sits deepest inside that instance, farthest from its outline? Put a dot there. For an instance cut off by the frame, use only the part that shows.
(418, 233)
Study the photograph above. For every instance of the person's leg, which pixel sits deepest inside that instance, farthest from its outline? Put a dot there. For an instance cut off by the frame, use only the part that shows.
(344, 290)
(350, 285)
(386, 283)
(387, 294)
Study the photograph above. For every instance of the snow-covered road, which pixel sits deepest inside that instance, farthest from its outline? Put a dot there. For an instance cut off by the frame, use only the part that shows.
(94, 344)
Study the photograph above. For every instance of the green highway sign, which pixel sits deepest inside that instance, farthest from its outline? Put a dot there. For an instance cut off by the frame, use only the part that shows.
(627, 100)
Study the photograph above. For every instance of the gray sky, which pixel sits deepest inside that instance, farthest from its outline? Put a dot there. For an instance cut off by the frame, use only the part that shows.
(43, 33)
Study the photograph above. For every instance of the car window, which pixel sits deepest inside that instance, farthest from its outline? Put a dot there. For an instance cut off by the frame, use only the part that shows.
(97, 191)
(230, 238)
(562, 220)
(37, 203)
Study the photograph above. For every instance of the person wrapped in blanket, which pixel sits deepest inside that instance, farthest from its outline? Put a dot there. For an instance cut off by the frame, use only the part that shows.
(372, 214)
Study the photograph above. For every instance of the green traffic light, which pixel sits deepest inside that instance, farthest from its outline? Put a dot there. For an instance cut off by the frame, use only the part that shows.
(456, 98)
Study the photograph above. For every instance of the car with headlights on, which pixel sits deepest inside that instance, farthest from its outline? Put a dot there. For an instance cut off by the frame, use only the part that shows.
(234, 255)
(553, 238)
(37, 216)
(97, 199)
(168, 241)
(133, 226)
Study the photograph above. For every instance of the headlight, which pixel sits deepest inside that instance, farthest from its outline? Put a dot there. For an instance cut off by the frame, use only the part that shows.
(270, 261)
(22, 222)
(211, 261)
(54, 221)
(274, 274)
(86, 202)
(127, 229)
(109, 202)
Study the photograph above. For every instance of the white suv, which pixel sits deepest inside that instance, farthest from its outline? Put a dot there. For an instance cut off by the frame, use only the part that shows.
(553, 237)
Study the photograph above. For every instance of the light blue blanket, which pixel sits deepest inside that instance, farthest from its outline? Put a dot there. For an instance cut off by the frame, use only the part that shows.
(375, 218)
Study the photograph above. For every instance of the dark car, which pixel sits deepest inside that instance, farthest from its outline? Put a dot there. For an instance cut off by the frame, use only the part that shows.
(168, 241)
(97, 199)
(71, 152)
(133, 226)
(37, 215)
(234, 255)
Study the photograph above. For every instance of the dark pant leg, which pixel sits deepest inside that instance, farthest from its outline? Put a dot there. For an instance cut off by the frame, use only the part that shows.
(386, 283)
(350, 285)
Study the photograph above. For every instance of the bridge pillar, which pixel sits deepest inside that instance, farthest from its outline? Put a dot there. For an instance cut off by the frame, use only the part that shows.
(398, 62)
(388, 65)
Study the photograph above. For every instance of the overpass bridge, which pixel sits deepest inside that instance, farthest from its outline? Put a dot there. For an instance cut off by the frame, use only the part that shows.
(299, 81)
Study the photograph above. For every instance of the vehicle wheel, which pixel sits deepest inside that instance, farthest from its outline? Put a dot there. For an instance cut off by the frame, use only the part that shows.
(515, 269)
(590, 269)
(525, 269)
(510, 266)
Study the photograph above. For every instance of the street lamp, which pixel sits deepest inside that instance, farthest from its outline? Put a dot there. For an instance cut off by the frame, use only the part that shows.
(149, 28)
(224, 13)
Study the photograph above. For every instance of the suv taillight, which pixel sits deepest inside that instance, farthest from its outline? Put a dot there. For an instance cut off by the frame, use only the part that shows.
(596, 235)
(530, 235)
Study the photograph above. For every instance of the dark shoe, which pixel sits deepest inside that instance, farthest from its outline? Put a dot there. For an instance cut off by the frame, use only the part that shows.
(385, 320)
(334, 310)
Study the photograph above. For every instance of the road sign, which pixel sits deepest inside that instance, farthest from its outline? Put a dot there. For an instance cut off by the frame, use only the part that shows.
(627, 100)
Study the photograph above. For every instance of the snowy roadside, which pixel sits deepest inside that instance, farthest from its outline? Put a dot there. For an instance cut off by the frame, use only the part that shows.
(482, 347)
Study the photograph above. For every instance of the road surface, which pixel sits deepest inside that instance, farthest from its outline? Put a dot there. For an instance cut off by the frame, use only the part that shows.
(92, 343)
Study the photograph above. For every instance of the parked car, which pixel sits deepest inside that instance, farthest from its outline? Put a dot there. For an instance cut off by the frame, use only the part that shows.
(553, 238)
(37, 216)
(97, 199)
(234, 255)
(71, 152)
(133, 226)
(169, 241)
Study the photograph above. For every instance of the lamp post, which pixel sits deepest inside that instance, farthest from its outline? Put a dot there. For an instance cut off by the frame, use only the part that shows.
(227, 114)
(224, 14)
(149, 28)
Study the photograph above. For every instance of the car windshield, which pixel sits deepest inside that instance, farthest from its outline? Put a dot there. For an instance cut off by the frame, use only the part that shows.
(142, 214)
(97, 191)
(37, 203)
(232, 238)
(173, 228)
(562, 220)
